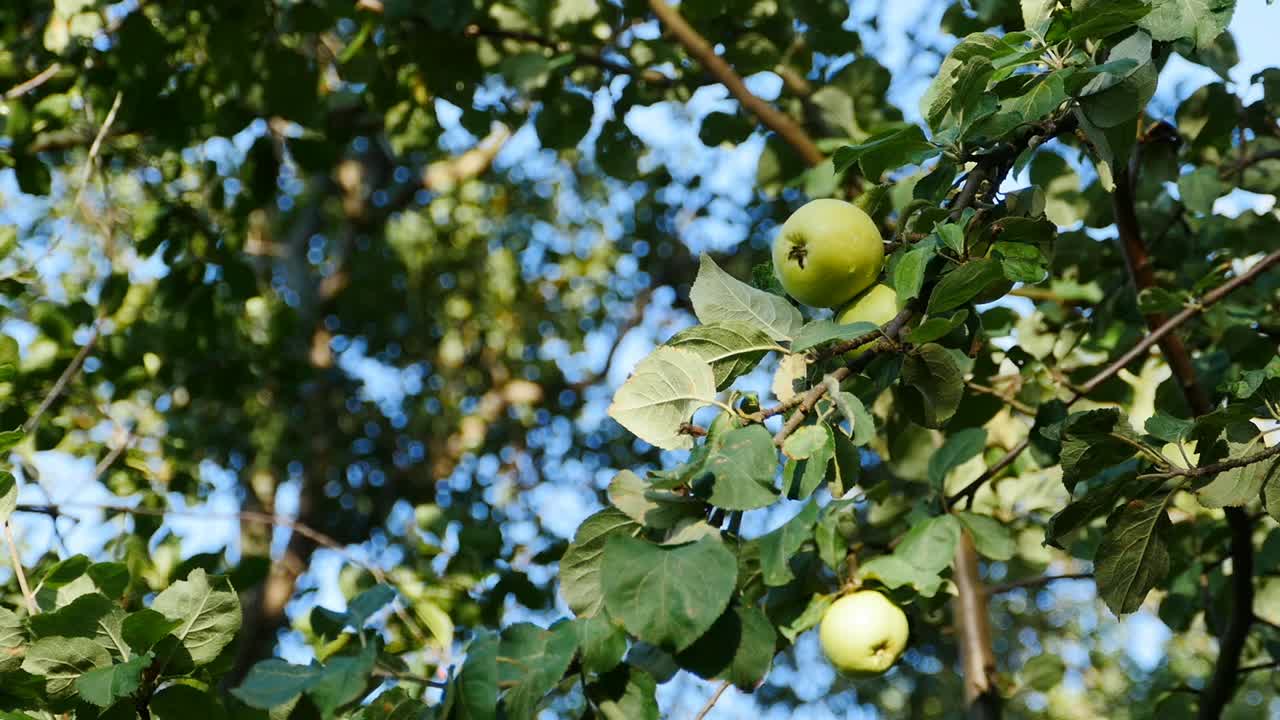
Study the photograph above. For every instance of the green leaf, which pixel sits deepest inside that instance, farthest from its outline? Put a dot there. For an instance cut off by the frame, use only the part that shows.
(820, 332)
(936, 328)
(9, 438)
(343, 680)
(1093, 441)
(667, 595)
(396, 704)
(1097, 502)
(930, 545)
(778, 547)
(894, 572)
(808, 619)
(580, 565)
(952, 235)
(650, 507)
(368, 603)
(79, 618)
(739, 648)
(990, 537)
(104, 686)
(1158, 300)
(142, 629)
(532, 661)
(1200, 21)
(1241, 485)
(8, 495)
(61, 661)
(476, 696)
(811, 449)
(601, 642)
(210, 616)
(731, 348)
(1133, 555)
(1099, 20)
(933, 380)
(964, 284)
(908, 273)
(663, 392)
(743, 467)
(1200, 188)
(861, 421)
(957, 450)
(64, 572)
(718, 297)
(1043, 672)
(274, 682)
(1020, 262)
(1115, 98)
(13, 641)
(625, 693)
(1035, 12)
(1168, 428)
(885, 150)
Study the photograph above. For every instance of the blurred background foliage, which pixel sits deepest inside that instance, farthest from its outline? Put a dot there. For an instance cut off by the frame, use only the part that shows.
(379, 266)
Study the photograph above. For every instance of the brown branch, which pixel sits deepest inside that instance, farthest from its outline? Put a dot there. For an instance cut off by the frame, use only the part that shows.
(712, 701)
(702, 51)
(1164, 327)
(27, 595)
(973, 630)
(23, 88)
(1246, 161)
(1215, 468)
(60, 385)
(970, 490)
(1222, 684)
(1036, 582)
(811, 397)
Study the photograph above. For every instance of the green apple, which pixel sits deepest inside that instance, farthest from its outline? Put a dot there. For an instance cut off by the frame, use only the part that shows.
(863, 633)
(877, 306)
(827, 252)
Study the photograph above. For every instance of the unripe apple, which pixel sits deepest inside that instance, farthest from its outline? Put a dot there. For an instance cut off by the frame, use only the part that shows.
(863, 633)
(877, 306)
(827, 252)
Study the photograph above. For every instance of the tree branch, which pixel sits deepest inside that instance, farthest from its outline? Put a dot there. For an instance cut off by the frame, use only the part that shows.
(970, 490)
(1222, 684)
(32, 607)
(698, 47)
(973, 629)
(23, 88)
(60, 385)
(1163, 328)
(1036, 582)
(711, 702)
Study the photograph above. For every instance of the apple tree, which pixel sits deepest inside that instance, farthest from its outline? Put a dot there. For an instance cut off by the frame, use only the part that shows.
(1057, 362)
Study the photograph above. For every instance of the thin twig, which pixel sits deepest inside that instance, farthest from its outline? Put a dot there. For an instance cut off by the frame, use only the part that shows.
(23, 88)
(970, 490)
(61, 383)
(702, 51)
(1168, 326)
(712, 701)
(27, 595)
(1036, 582)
